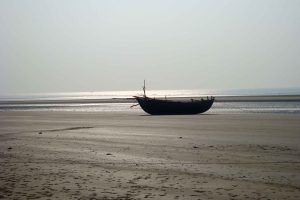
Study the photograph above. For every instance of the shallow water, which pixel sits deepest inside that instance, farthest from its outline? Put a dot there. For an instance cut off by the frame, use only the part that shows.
(107, 101)
(152, 93)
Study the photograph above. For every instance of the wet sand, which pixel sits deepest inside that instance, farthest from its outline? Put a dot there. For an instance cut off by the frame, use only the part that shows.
(119, 155)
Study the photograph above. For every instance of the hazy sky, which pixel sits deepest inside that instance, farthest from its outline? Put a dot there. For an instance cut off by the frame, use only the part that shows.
(85, 45)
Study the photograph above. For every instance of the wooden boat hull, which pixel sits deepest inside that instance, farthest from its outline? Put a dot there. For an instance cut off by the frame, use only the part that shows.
(166, 107)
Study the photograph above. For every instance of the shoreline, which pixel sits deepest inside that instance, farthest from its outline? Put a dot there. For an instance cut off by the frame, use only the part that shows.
(244, 98)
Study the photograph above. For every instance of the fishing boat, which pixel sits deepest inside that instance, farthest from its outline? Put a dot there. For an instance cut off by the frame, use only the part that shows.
(154, 106)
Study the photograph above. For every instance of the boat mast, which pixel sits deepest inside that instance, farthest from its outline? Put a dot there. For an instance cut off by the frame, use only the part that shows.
(144, 88)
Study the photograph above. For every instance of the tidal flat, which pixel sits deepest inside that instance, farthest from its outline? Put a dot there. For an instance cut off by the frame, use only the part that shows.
(131, 155)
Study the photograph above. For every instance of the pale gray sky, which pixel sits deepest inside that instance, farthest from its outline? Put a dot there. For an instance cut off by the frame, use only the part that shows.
(94, 45)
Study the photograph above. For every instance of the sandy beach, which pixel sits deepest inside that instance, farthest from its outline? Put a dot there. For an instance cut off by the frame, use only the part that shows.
(130, 155)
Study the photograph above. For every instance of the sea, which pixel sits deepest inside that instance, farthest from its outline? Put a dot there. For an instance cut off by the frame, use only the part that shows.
(276, 100)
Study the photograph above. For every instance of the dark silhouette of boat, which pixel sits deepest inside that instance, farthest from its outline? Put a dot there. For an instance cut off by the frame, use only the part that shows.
(172, 107)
